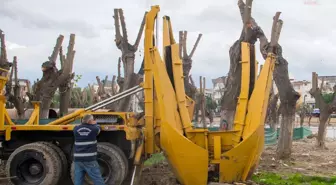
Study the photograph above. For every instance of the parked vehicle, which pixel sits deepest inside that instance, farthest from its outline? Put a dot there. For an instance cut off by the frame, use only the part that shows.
(316, 113)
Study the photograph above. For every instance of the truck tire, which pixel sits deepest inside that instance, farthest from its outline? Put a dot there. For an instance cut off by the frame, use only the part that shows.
(64, 161)
(121, 153)
(34, 164)
(111, 164)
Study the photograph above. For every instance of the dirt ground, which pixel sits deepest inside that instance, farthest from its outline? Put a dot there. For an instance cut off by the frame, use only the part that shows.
(306, 160)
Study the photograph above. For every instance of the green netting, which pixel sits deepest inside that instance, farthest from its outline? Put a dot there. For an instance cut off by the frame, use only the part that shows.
(298, 133)
(270, 137)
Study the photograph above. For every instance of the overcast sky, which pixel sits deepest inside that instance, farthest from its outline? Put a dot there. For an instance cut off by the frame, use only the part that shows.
(31, 26)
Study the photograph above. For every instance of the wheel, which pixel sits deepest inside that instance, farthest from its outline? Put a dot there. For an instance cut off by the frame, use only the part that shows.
(34, 164)
(112, 165)
(64, 161)
(121, 153)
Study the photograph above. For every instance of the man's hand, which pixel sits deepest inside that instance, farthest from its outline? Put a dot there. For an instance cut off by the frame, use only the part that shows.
(98, 127)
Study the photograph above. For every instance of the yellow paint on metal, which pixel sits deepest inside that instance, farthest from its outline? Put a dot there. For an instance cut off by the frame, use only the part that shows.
(217, 147)
(2, 110)
(239, 120)
(190, 106)
(35, 116)
(189, 160)
(179, 87)
(148, 79)
(138, 154)
(256, 67)
(234, 162)
(238, 163)
(65, 119)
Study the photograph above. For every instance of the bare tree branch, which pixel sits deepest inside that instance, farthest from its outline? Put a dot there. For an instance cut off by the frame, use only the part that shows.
(62, 58)
(118, 36)
(142, 26)
(195, 46)
(114, 91)
(181, 44)
(123, 25)
(57, 47)
(184, 44)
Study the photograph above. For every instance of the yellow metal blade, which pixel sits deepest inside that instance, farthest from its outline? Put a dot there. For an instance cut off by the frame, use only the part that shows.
(189, 160)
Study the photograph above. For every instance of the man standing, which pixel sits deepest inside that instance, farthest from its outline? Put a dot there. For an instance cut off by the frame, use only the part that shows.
(85, 151)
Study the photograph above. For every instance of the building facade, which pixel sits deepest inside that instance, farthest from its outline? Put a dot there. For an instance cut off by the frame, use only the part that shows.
(218, 90)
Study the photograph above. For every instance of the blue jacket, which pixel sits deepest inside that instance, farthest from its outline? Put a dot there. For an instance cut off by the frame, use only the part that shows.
(85, 146)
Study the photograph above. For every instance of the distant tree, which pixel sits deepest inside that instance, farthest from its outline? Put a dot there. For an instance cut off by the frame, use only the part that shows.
(210, 104)
(303, 110)
(326, 102)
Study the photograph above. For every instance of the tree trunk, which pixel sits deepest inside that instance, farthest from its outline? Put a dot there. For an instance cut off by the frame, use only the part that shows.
(321, 134)
(66, 86)
(272, 111)
(288, 96)
(325, 109)
(52, 77)
(130, 79)
(284, 148)
(189, 87)
(302, 117)
(4, 63)
(232, 89)
(13, 94)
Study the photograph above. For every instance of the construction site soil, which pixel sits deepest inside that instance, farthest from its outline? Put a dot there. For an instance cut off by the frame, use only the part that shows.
(306, 159)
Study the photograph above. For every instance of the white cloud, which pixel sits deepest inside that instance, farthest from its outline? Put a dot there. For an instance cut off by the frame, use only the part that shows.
(12, 46)
(32, 27)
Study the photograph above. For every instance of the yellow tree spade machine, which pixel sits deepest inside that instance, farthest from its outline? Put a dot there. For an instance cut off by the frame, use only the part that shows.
(40, 151)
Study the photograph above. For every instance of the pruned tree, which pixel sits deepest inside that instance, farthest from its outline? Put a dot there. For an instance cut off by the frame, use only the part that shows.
(93, 94)
(288, 96)
(66, 85)
(302, 110)
(233, 82)
(52, 77)
(326, 108)
(128, 50)
(272, 108)
(187, 62)
(14, 94)
(101, 88)
(272, 111)
(4, 63)
(80, 98)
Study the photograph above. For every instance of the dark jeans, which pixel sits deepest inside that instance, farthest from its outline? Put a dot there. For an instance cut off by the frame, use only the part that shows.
(90, 168)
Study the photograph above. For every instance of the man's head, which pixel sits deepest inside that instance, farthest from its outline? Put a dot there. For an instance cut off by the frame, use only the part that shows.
(88, 118)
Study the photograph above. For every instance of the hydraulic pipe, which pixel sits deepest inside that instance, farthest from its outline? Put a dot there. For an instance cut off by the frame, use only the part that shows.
(113, 97)
(111, 100)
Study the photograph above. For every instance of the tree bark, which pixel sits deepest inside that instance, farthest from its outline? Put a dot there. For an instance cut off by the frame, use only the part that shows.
(326, 109)
(190, 90)
(14, 93)
(130, 78)
(52, 77)
(232, 88)
(66, 86)
(272, 111)
(4, 63)
(288, 96)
